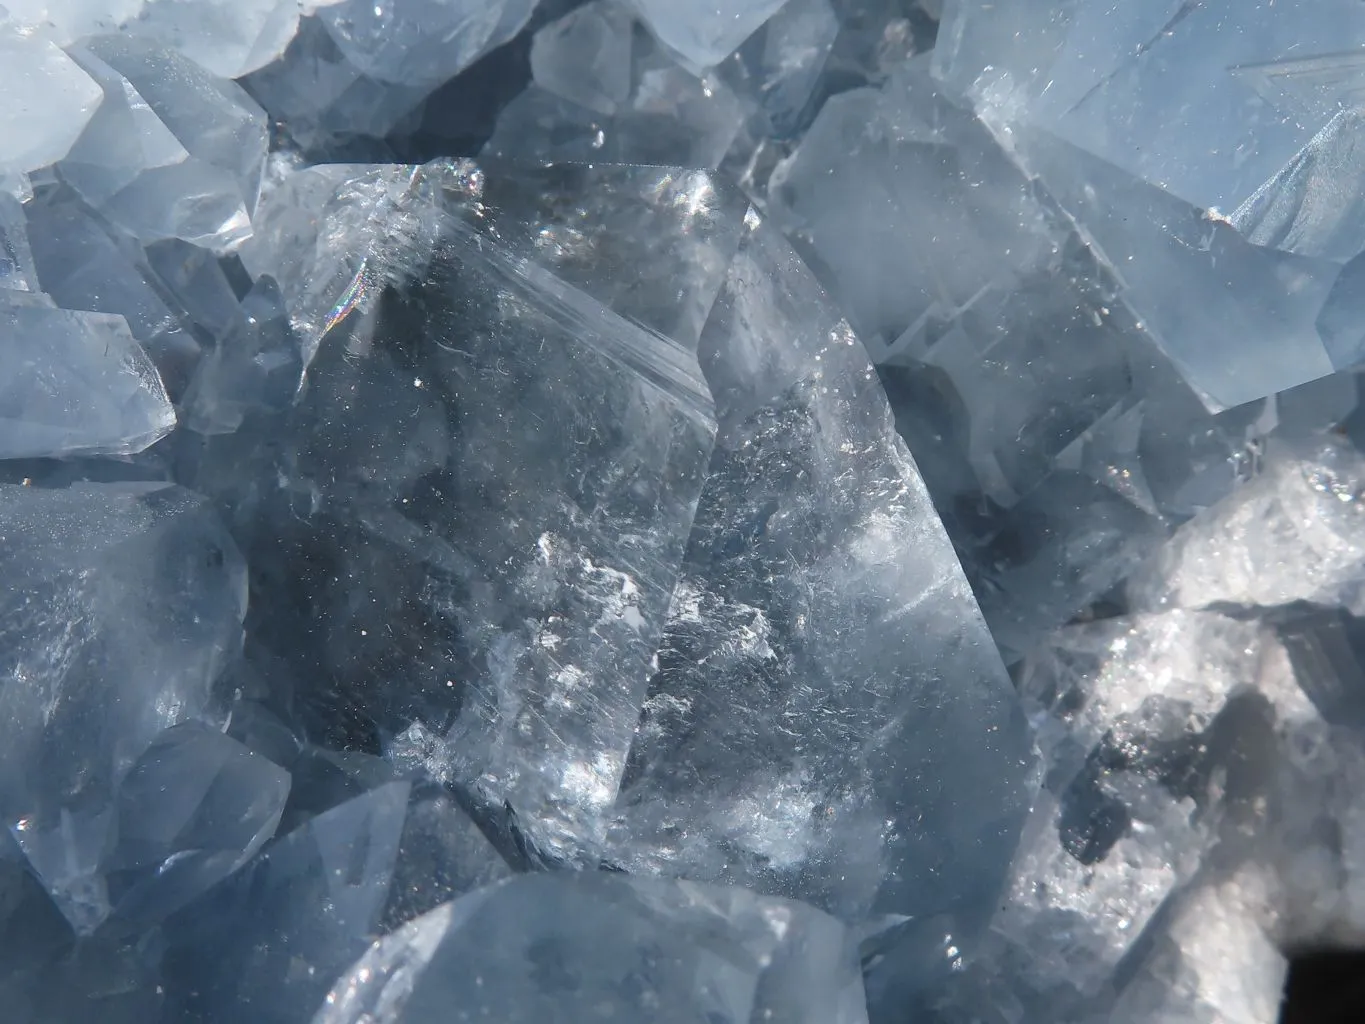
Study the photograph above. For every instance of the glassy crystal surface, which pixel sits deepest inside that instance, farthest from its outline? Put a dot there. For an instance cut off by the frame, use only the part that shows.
(664, 115)
(272, 939)
(818, 588)
(45, 102)
(193, 809)
(128, 600)
(1312, 206)
(1237, 319)
(1183, 95)
(173, 151)
(16, 258)
(256, 367)
(85, 264)
(585, 56)
(617, 509)
(535, 562)
(75, 384)
(420, 42)
(610, 947)
(703, 34)
(940, 213)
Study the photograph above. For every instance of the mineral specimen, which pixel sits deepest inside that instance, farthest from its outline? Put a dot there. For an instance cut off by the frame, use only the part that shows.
(782, 510)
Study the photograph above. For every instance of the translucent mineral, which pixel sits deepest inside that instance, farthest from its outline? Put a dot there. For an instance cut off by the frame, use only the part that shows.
(128, 601)
(1157, 733)
(85, 264)
(421, 42)
(702, 33)
(228, 37)
(1188, 96)
(1211, 962)
(1199, 288)
(585, 56)
(660, 113)
(273, 938)
(75, 384)
(1313, 205)
(46, 99)
(819, 588)
(783, 61)
(194, 808)
(909, 205)
(1339, 321)
(537, 562)
(257, 366)
(611, 948)
(173, 151)
(16, 257)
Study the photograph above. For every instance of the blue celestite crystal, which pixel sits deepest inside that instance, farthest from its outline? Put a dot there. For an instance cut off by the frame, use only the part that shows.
(826, 511)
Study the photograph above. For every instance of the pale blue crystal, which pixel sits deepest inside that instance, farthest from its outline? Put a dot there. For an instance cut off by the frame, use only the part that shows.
(75, 384)
(611, 948)
(132, 601)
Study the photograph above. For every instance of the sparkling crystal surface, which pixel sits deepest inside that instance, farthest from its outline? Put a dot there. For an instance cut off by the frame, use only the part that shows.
(45, 102)
(532, 626)
(765, 511)
(811, 495)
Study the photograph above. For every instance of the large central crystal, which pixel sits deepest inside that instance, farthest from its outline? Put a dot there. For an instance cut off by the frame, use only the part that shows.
(486, 487)
(506, 530)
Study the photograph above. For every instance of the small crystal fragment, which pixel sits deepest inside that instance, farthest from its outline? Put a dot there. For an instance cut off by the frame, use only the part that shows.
(172, 152)
(195, 807)
(668, 115)
(16, 258)
(84, 264)
(75, 384)
(702, 33)
(585, 56)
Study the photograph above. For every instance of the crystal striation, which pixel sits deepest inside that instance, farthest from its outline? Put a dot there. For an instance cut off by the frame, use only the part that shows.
(535, 564)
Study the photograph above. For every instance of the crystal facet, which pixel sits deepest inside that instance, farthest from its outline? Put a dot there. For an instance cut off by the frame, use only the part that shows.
(609, 947)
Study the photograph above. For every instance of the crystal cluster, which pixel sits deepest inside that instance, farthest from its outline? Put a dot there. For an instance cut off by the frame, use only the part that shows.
(827, 511)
